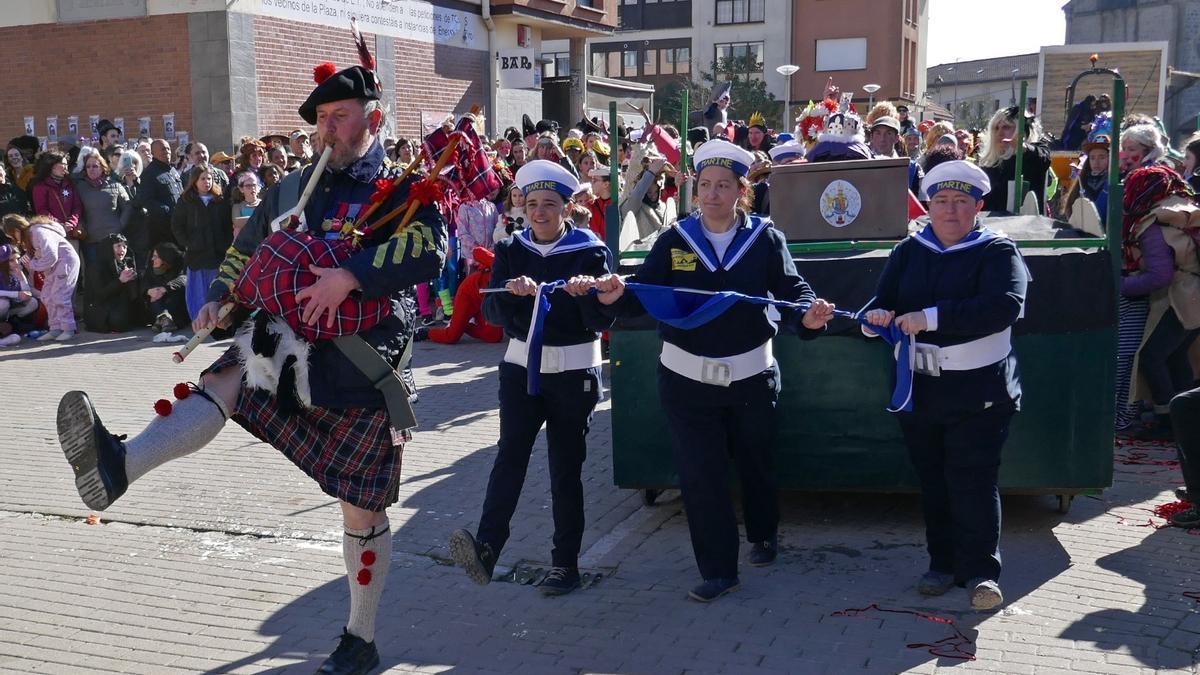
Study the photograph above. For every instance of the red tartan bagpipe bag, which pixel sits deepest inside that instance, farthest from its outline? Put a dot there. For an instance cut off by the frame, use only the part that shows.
(279, 269)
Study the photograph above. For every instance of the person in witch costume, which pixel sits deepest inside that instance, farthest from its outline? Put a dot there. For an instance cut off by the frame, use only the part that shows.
(960, 287)
(568, 387)
(719, 382)
(341, 433)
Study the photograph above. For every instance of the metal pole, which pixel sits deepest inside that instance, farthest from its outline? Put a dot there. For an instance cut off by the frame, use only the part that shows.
(613, 214)
(1017, 195)
(787, 107)
(1116, 195)
(684, 184)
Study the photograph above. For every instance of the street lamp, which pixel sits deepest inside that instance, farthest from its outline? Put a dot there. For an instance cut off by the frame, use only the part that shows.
(871, 89)
(787, 71)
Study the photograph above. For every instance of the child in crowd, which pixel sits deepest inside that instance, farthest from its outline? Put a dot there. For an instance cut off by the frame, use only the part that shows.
(55, 258)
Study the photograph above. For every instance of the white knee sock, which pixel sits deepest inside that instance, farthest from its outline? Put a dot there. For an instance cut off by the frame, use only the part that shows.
(368, 555)
(193, 422)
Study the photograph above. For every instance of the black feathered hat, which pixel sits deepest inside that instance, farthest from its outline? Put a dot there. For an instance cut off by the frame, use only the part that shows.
(547, 125)
(527, 128)
(357, 82)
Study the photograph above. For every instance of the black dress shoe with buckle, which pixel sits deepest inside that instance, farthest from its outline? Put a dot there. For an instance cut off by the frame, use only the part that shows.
(353, 656)
(96, 456)
(764, 552)
(478, 560)
(560, 581)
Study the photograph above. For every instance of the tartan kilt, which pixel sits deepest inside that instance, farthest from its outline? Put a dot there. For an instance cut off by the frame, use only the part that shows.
(278, 270)
(350, 453)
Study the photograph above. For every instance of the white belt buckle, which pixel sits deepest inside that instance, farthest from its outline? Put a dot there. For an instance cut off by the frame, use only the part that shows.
(552, 360)
(926, 360)
(713, 371)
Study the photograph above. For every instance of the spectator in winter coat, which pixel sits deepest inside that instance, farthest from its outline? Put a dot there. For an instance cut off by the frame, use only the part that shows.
(106, 208)
(12, 198)
(48, 251)
(160, 189)
(203, 225)
(54, 195)
(113, 290)
(164, 289)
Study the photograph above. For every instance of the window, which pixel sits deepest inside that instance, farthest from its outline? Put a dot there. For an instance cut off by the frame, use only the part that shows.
(651, 58)
(557, 64)
(843, 54)
(739, 59)
(650, 62)
(740, 11)
(629, 62)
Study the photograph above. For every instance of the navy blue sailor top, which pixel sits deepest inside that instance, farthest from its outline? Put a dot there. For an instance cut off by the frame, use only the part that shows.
(571, 320)
(978, 288)
(756, 263)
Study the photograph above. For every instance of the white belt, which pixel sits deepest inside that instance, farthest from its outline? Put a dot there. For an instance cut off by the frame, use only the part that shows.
(717, 371)
(557, 359)
(931, 360)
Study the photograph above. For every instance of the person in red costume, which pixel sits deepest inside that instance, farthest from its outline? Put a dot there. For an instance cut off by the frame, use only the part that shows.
(468, 306)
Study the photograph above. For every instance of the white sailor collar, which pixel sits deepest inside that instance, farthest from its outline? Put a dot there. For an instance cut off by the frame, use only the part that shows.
(574, 239)
(979, 236)
(748, 229)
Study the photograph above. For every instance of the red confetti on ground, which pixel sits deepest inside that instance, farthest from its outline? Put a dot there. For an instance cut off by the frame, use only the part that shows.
(163, 407)
(1134, 458)
(364, 577)
(368, 558)
(1171, 508)
(182, 391)
(951, 647)
(92, 519)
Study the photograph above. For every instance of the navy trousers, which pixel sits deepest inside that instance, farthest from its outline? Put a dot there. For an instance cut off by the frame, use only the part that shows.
(1185, 418)
(957, 459)
(565, 405)
(709, 426)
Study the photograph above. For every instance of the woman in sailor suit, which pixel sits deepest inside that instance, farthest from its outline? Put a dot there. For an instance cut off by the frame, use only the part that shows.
(960, 287)
(551, 249)
(718, 382)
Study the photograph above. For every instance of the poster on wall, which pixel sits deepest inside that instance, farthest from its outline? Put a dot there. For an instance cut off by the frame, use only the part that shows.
(183, 137)
(143, 126)
(73, 126)
(169, 126)
(43, 143)
(94, 121)
(29, 130)
(119, 122)
(52, 127)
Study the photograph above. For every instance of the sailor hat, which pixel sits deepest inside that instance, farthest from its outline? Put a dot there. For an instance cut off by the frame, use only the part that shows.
(723, 154)
(541, 174)
(957, 175)
(786, 152)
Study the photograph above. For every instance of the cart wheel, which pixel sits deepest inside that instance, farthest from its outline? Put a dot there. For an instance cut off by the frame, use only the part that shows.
(649, 495)
(1064, 503)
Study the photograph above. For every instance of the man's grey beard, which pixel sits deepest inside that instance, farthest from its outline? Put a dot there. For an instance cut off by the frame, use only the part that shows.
(343, 156)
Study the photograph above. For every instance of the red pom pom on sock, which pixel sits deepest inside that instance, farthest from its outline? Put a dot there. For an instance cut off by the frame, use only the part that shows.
(163, 407)
(364, 577)
(368, 558)
(182, 391)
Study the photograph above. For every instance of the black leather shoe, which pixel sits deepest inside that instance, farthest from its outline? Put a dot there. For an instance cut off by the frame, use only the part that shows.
(1181, 494)
(764, 552)
(477, 559)
(712, 589)
(97, 456)
(353, 656)
(560, 581)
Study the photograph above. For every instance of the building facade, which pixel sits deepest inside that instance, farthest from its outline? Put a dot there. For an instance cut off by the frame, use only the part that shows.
(1176, 22)
(974, 90)
(857, 42)
(214, 70)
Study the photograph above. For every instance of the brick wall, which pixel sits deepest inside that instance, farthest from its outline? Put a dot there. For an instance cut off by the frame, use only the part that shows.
(121, 68)
(429, 78)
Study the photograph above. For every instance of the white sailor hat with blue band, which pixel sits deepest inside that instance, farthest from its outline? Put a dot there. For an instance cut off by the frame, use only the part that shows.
(786, 152)
(723, 153)
(542, 174)
(957, 175)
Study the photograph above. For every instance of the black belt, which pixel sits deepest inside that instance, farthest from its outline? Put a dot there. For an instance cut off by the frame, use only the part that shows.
(385, 378)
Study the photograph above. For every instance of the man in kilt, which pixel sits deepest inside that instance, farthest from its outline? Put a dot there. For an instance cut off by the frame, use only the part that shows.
(342, 436)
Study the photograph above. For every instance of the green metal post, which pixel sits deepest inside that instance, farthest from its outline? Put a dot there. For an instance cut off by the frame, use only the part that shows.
(1017, 198)
(1116, 195)
(613, 214)
(684, 184)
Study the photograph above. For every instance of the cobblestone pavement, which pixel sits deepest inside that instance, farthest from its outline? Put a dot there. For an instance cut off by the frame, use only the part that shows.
(229, 560)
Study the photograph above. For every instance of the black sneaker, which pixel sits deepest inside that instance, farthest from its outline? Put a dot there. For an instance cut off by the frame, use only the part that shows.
(353, 656)
(712, 589)
(1181, 494)
(1188, 518)
(764, 552)
(97, 456)
(560, 581)
(477, 559)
